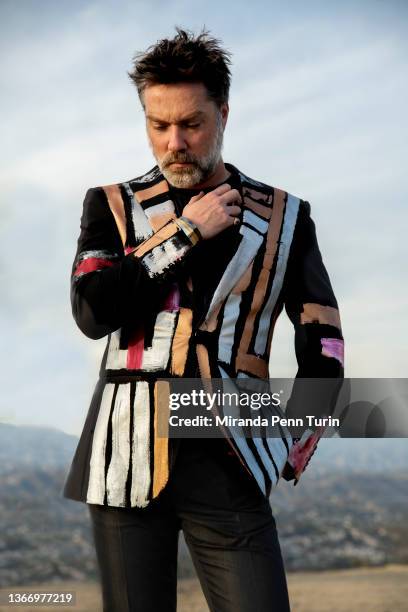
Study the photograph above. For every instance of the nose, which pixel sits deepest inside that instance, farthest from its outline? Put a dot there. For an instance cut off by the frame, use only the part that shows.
(176, 139)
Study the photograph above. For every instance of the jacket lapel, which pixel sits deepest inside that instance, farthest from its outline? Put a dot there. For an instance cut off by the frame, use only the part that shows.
(254, 227)
(247, 249)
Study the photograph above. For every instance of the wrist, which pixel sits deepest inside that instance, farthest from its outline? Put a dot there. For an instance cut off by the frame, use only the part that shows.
(189, 228)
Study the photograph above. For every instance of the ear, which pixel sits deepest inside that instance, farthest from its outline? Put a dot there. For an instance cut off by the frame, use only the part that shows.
(224, 110)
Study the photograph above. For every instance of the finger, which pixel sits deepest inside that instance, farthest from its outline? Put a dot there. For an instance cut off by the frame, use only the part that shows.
(233, 210)
(231, 196)
(221, 189)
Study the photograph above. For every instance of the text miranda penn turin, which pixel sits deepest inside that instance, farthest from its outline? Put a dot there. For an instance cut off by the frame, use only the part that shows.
(252, 400)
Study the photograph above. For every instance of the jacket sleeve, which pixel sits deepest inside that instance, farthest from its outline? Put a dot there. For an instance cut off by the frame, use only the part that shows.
(319, 345)
(110, 288)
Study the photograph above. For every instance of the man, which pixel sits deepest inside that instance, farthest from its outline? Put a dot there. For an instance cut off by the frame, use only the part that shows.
(185, 269)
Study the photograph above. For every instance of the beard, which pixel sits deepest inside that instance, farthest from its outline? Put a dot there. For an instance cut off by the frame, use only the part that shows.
(201, 167)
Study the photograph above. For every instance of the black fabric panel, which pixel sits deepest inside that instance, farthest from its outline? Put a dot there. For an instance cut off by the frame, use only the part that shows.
(306, 277)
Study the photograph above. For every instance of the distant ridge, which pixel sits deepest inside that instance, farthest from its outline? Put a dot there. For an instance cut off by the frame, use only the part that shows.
(29, 445)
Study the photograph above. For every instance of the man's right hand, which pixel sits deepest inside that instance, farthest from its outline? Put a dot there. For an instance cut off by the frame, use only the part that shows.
(214, 211)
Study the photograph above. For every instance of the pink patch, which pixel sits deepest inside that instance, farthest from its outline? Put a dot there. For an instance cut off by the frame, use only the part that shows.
(301, 452)
(135, 350)
(333, 347)
(129, 249)
(91, 264)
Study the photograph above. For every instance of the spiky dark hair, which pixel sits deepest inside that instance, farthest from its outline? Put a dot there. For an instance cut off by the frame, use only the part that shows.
(184, 58)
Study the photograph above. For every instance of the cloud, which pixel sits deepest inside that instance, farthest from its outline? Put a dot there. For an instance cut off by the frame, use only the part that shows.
(318, 105)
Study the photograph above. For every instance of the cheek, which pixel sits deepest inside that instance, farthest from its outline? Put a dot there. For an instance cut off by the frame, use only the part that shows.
(201, 142)
(156, 142)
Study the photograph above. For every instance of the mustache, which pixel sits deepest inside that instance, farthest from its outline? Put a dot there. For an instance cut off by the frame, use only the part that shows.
(178, 157)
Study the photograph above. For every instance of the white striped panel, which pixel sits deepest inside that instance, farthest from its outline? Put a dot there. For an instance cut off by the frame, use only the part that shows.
(260, 224)
(96, 485)
(160, 209)
(162, 256)
(247, 249)
(141, 446)
(275, 443)
(98, 253)
(226, 337)
(157, 355)
(149, 176)
(119, 463)
(117, 358)
(291, 211)
(265, 459)
(238, 435)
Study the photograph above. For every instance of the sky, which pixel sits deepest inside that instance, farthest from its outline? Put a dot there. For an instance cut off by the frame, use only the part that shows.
(317, 107)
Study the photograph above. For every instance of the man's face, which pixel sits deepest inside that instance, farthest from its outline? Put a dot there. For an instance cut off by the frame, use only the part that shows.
(185, 131)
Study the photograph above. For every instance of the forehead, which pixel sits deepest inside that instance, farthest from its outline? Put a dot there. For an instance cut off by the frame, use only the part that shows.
(176, 101)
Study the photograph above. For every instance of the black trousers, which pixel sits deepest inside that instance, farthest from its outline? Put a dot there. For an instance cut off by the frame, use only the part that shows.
(229, 529)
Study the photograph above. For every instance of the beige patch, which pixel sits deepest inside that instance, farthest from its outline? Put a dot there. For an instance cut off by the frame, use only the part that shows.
(150, 243)
(158, 221)
(161, 428)
(117, 207)
(316, 313)
(179, 348)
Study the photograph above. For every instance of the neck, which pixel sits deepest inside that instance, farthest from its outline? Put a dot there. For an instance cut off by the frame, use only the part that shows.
(219, 175)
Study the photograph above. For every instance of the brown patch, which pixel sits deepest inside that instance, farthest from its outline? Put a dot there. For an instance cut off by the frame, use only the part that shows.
(252, 364)
(117, 207)
(211, 324)
(161, 428)
(263, 210)
(150, 192)
(316, 313)
(259, 196)
(179, 348)
(203, 361)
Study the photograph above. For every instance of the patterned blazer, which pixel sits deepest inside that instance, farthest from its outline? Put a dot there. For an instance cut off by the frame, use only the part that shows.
(126, 285)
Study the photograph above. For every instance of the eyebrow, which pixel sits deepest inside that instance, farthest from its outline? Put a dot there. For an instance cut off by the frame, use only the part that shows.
(195, 115)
